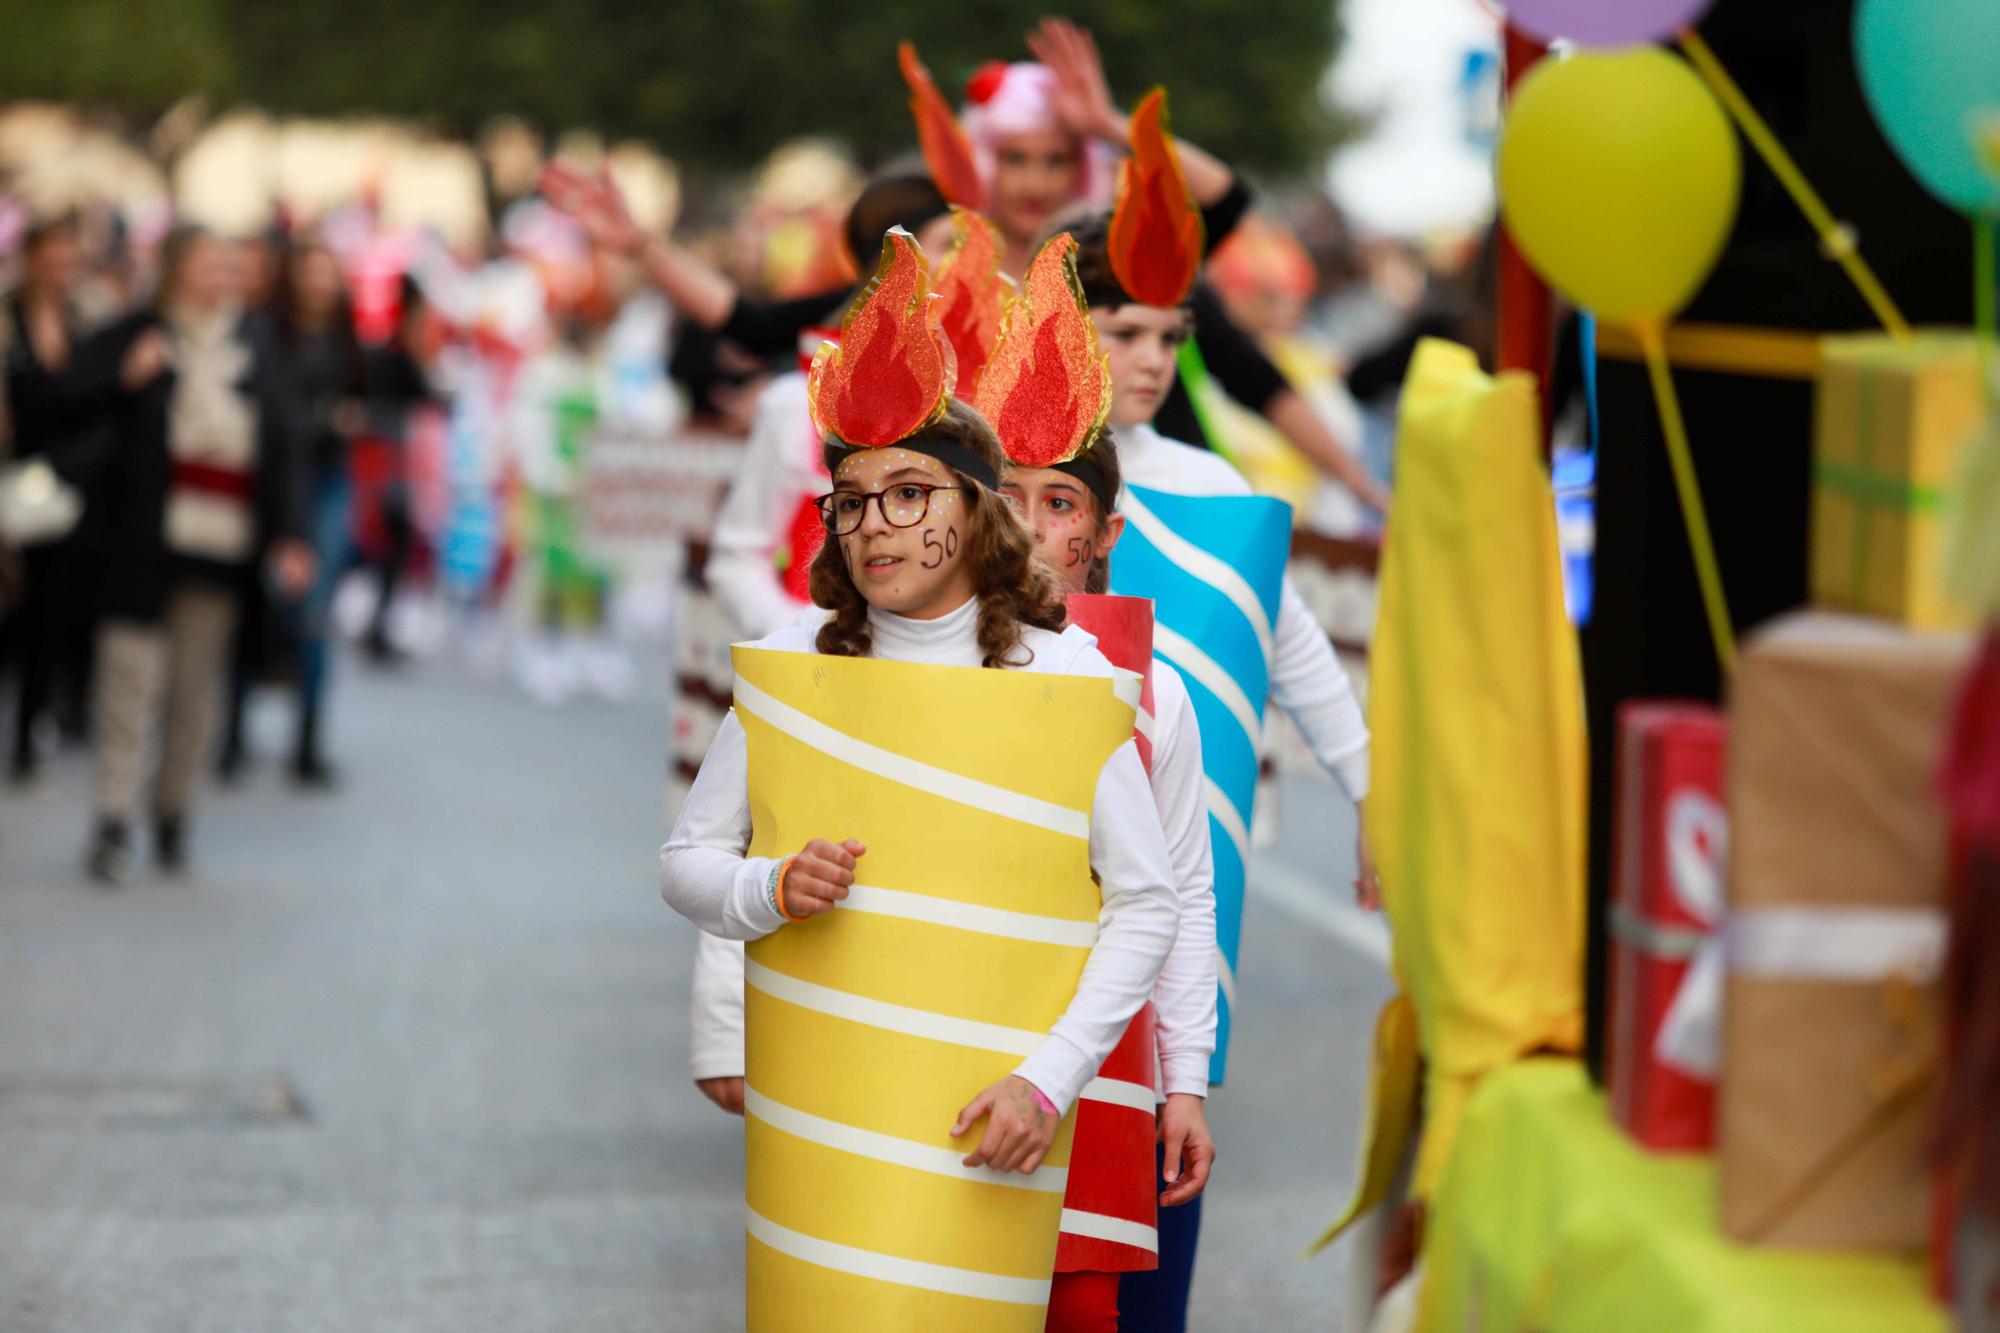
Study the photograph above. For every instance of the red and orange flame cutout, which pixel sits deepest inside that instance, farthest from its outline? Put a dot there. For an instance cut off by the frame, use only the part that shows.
(892, 372)
(947, 150)
(1047, 386)
(972, 295)
(1156, 233)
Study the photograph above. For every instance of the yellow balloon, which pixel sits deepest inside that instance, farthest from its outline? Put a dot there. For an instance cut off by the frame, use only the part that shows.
(1619, 177)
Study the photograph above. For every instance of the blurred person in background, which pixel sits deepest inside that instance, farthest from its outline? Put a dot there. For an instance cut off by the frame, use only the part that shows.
(319, 360)
(202, 499)
(396, 382)
(59, 390)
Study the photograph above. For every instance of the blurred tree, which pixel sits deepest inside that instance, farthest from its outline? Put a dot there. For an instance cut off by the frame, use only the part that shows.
(716, 85)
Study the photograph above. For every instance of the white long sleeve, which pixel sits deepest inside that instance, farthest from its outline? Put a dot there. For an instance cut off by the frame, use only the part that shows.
(705, 876)
(1136, 929)
(1307, 680)
(715, 1018)
(1184, 997)
(778, 469)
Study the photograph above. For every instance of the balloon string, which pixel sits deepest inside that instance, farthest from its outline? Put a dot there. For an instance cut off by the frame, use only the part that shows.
(1836, 239)
(1983, 299)
(1707, 573)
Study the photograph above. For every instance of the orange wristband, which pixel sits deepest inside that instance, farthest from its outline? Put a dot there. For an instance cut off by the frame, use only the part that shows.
(783, 911)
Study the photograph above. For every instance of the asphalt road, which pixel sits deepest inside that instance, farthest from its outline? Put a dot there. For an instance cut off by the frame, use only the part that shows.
(412, 1056)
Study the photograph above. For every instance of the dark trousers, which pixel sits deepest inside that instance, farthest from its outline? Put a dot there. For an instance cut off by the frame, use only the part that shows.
(1157, 1301)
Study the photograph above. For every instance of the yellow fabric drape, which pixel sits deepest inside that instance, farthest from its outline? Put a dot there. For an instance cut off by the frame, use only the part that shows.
(1477, 803)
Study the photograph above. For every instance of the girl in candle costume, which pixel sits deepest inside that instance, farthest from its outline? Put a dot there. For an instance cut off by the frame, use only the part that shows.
(1049, 386)
(961, 590)
(1136, 267)
(1043, 375)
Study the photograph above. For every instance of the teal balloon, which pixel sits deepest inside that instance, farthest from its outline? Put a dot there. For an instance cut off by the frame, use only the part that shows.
(1931, 72)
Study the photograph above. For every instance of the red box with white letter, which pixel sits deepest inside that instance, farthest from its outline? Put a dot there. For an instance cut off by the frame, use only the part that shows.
(1669, 849)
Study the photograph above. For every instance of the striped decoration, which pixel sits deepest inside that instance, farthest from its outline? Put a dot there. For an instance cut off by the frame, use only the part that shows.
(1214, 566)
(868, 1028)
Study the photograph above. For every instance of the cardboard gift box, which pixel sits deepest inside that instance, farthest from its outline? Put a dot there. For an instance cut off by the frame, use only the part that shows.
(1891, 421)
(1835, 932)
(1670, 838)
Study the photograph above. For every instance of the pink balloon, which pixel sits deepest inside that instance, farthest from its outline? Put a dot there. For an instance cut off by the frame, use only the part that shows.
(1604, 22)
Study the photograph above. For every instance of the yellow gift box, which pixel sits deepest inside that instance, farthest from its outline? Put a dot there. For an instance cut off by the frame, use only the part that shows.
(1891, 421)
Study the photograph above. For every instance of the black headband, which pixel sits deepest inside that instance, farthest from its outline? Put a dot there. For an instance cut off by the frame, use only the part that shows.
(1086, 469)
(960, 458)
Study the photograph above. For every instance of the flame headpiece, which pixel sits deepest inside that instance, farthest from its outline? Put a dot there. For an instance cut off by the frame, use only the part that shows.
(1047, 385)
(972, 295)
(890, 376)
(1156, 233)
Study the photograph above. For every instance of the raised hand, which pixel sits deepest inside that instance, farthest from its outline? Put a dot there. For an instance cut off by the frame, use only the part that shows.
(1083, 97)
(595, 202)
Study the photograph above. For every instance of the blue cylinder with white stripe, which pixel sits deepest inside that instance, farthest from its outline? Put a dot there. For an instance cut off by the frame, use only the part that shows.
(1214, 566)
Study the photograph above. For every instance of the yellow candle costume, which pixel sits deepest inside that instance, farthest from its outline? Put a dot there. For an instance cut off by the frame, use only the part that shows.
(867, 1028)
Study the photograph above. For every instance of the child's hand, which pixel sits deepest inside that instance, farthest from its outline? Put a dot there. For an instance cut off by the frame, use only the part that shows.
(1367, 883)
(819, 878)
(1020, 1126)
(1190, 1148)
(724, 1092)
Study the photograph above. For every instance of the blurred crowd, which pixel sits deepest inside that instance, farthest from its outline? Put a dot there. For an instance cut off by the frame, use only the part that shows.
(227, 452)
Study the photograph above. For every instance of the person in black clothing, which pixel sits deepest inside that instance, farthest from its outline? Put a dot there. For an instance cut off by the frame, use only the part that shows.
(60, 391)
(319, 360)
(201, 499)
(394, 385)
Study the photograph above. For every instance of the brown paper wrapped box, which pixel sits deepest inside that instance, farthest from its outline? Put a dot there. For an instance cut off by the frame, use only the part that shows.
(1835, 932)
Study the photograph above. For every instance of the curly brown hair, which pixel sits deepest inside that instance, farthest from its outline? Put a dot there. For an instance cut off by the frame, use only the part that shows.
(1013, 586)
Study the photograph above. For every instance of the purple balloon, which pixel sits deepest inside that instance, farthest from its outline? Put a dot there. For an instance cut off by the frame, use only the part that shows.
(1604, 22)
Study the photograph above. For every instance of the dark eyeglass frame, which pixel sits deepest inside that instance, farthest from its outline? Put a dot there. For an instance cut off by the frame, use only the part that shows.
(827, 517)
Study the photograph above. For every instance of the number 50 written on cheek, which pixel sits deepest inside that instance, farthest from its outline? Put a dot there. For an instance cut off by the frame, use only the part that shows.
(940, 550)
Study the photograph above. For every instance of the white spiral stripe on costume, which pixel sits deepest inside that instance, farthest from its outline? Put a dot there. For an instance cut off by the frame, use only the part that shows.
(1180, 652)
(1120, 1092)
(966, 916)
(1215, 572)
(1142, 722)
(1225, 977)
(1099, 1226)
(1231, 819)
(897, 1152)
(809, 730)
(890, 1268)
(891, 1017)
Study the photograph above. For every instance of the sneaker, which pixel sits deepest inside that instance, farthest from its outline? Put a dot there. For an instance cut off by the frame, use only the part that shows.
(170, 845)
(110, 859)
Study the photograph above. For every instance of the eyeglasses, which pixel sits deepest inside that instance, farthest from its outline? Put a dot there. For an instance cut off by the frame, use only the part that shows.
(903, 506)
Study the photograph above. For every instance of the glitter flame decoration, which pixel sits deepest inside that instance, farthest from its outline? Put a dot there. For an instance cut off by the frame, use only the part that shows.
(947, 150)
(972, 295)
(1156, 234)
(1047, 386)
(892, 371)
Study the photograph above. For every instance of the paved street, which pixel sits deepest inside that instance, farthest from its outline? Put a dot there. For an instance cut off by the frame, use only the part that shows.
(413, 1057)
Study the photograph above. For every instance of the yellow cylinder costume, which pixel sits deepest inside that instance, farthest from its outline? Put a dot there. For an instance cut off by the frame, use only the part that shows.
(867, 1029)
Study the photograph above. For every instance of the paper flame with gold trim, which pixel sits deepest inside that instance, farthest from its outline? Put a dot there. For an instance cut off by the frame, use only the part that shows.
(1047, 386)
(891, 374)
(1156, 232)
(972, 295)
(947, 150)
